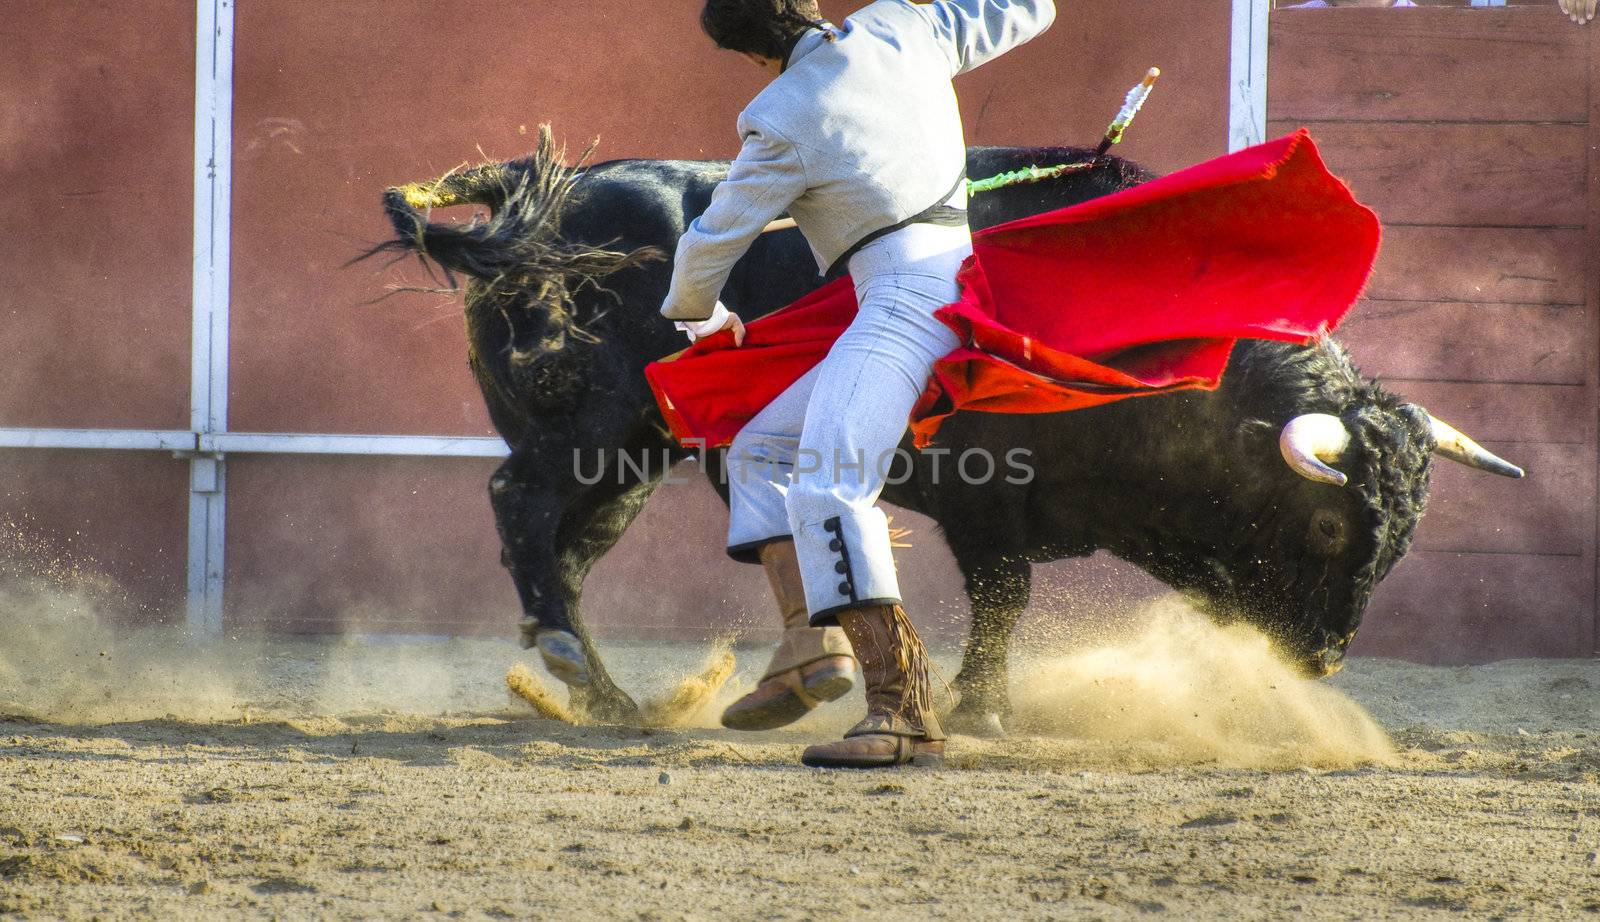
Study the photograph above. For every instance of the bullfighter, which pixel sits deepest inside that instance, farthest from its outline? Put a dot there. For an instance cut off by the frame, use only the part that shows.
(858, 137)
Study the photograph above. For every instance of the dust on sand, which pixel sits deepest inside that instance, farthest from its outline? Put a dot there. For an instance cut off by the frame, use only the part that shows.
(679, 708)
(1174, 769)
(1183, 691)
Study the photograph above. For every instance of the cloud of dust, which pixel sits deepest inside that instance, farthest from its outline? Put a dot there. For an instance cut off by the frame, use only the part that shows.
(62, 660)
(1179, 691)
(365, 674)
(694, 693)
(526, 684)
(70, 653)
(1184, 690)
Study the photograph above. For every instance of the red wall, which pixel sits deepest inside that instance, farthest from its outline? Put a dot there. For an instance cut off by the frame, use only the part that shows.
(118, 516)
(96, 159)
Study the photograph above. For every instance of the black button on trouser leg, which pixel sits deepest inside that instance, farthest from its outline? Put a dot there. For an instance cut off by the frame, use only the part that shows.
(846, 562)
(842, 565)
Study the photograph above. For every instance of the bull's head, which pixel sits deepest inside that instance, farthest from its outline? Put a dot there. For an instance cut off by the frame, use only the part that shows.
(1363, 526)
(1327, 481)
(1332, 518)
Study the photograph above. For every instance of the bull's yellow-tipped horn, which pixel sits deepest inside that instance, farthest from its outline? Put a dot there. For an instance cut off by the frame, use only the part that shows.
(1452, 443)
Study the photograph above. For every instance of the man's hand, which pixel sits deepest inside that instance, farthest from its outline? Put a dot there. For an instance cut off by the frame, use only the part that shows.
(721, 319)
(734, 324)
(1580, 11)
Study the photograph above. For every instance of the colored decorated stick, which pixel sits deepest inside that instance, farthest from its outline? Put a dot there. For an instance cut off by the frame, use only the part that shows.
(1130, 108)
(1028, 174)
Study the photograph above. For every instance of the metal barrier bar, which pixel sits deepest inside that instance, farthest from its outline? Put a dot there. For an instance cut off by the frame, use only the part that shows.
(1247, 98)
(217, 444)
(101, 439)
(412, 446)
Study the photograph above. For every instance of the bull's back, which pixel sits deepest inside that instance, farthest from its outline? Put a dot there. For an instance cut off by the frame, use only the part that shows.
(651, 203)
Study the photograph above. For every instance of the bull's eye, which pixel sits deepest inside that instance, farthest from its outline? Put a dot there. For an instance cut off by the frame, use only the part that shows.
(1328, 534)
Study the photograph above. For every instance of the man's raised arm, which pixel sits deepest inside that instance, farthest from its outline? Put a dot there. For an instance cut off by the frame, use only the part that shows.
(977, 31)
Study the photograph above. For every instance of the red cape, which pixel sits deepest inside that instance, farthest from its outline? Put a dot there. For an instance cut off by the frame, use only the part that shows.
(1141, 292)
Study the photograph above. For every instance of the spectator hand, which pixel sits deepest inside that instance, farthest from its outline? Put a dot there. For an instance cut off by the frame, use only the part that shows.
(1580, 11)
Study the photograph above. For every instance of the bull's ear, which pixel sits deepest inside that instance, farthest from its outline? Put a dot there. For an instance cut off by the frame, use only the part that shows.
(1253, 441)
(1253, 431)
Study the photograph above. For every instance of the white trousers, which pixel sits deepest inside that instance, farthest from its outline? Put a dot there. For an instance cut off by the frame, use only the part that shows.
(812, 463)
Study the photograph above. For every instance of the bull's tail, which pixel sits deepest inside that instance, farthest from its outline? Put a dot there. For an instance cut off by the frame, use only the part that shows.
(518, 245)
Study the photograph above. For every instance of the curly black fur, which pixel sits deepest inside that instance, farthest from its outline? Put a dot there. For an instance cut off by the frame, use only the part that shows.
(1391, 439)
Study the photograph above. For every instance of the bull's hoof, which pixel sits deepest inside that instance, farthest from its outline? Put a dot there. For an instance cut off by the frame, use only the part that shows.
(563, 655)
(609, 706)
(979, 722)
(528, 632)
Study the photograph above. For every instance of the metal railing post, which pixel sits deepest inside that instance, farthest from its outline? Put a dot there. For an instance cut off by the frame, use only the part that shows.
(1247, 103)
(208, 379)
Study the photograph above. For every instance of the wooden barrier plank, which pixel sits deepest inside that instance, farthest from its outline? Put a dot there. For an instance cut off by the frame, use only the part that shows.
(1422, 65)
(1478, 174)
(1522, 343)
(1506, 412)
(1480, 264)
(1551, 511)
(1592, 337)
(1473, 608)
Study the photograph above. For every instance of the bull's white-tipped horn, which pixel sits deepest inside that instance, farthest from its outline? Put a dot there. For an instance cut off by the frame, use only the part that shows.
(1454, 444)
(1310, 439)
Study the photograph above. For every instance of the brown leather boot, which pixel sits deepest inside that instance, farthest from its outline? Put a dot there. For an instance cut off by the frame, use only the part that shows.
(812, 665)
(900, 725)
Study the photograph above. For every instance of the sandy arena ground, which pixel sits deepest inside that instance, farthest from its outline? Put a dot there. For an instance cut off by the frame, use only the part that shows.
(1175, 771)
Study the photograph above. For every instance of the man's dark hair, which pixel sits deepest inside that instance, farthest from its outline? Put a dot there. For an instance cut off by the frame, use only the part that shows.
(765, 27)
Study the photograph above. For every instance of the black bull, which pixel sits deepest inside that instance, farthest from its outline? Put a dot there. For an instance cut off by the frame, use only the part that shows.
(564, 279)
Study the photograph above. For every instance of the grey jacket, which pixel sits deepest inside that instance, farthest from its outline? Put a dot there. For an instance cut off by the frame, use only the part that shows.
(858, 134)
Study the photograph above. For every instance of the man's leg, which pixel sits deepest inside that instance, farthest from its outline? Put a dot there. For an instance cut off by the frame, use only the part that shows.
(859, 409)
(812, 665)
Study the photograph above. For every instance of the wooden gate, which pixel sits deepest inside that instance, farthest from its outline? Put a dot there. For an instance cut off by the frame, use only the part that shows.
(1475, 134)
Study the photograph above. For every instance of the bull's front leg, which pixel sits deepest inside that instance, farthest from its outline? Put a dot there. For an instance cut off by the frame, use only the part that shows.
(998, 590)
(590, 529)
(534, 494)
